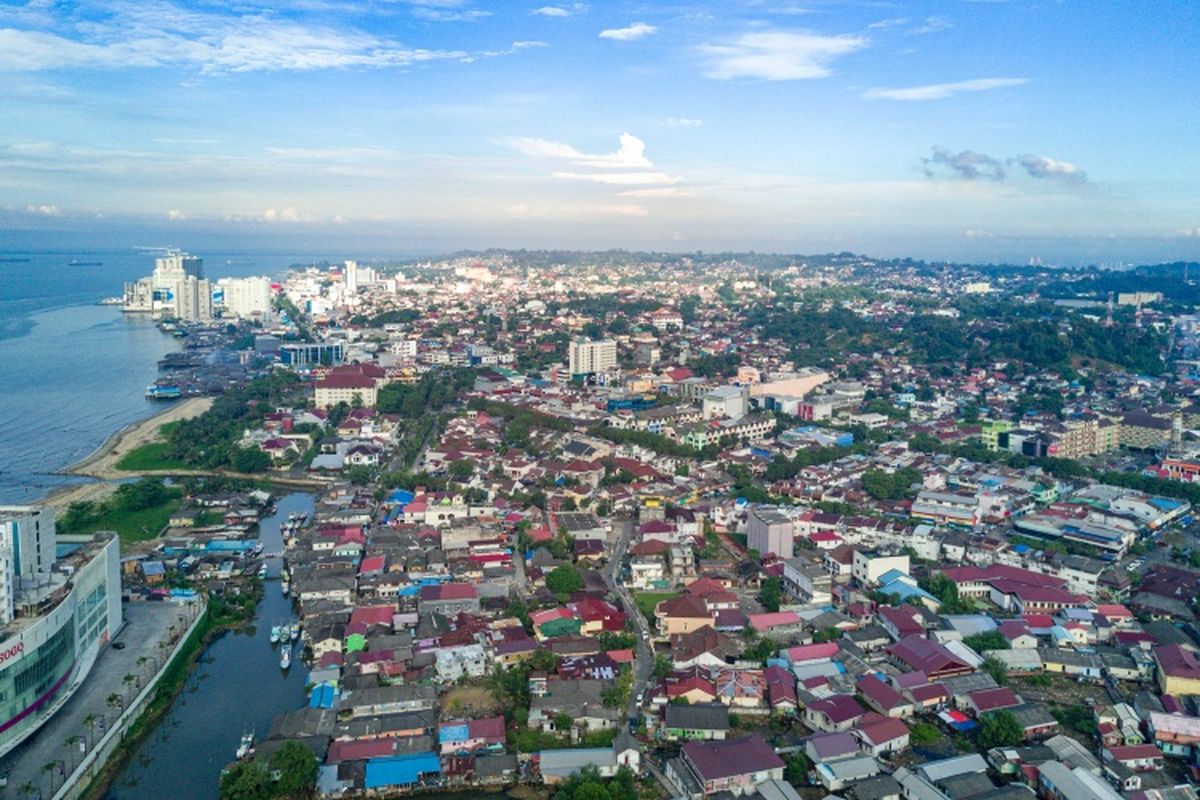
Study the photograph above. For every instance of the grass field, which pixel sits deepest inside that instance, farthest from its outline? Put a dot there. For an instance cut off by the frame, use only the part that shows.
(148, 457)
(646, 601)
(134, 526)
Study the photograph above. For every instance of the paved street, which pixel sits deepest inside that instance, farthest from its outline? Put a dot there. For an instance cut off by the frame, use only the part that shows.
(643, 664)
(88, 713)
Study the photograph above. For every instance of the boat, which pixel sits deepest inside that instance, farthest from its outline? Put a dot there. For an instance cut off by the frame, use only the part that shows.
(262, 572)
(285, 657)
(156, 391)
(74, 263)
(294, 631)
(275, 634)
(285, 587)
(246, 746)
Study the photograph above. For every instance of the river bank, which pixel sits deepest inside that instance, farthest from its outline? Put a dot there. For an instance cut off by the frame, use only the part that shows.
(235, 686)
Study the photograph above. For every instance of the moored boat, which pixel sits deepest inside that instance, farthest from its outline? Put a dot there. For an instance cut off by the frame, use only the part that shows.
(285, 657)
(275, 631)
(246, 746)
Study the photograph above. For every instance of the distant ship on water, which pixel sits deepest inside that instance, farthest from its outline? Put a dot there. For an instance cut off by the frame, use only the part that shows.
(76, 263)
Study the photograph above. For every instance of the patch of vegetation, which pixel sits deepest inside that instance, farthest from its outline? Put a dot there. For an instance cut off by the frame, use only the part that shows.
(148, 457)
(136, 511)
(1000, 729)
(646, 601)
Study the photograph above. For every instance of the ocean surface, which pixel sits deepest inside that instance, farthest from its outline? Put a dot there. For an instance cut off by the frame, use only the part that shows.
(73, 372)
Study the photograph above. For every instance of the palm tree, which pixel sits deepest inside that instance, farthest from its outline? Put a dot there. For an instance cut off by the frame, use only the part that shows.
(89, 722)
(142, 661)
(128, 680)
(72, 742)
(115, 700)
(49, 769)
(28, 789)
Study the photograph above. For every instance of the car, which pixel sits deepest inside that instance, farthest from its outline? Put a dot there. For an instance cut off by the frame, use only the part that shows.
(118, 645)
(645, 636)
(640, 697)
(633, 724)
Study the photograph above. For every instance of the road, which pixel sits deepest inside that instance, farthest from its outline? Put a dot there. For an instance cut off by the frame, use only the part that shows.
(42, 760)
(643, 663)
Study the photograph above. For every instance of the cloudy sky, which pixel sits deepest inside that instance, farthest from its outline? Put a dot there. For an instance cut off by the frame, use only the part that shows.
(955, 129)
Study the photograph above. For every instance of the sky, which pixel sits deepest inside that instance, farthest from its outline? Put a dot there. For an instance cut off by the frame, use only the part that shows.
(965, 130)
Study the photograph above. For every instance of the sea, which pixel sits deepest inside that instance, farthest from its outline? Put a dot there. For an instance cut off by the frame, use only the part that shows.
(73, 372)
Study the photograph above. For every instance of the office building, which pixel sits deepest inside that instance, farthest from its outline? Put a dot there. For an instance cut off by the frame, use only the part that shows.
(58, 616)
(587, 357)
(769, 531)
(245, 298)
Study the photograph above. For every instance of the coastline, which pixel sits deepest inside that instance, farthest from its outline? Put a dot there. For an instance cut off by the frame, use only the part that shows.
(101, 463)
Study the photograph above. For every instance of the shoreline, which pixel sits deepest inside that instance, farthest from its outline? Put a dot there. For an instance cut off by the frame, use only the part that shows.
(101, 462)
(100, 466)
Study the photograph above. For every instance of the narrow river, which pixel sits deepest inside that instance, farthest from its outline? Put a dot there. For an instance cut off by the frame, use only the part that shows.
(238, 687)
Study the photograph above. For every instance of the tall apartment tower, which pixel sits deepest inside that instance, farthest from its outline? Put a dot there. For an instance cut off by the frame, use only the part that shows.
(28, 540)
(585, 357)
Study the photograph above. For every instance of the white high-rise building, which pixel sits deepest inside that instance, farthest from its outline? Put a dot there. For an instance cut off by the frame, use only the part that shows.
(246, 298)
(351, 276)
(585, 357)
(177, 289)
(27, 549)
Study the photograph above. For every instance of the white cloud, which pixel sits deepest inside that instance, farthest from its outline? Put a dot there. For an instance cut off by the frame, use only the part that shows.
(631, 153)
(159, 35)
(288, 214)
(681, 122)
(663, 191)
(514, 48)
(43, 210)
(894, 22)
(933, 25)
(779, 55)
(175, 215)
(940, 91)
(1051, 169)
(637, 30)
(619, 178)
(560, 12)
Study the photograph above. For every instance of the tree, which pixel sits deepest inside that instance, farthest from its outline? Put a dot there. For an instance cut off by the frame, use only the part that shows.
(994, 667)
(564, 580)
(990, 640)
(143, 494)
(924, 733)
(771, 593)
(296, 767)
(1000, 729)
(543, 660)
(760, 651)
(662, 666)
(250, 459)
(563, 722)
(246, 780)
(798, 767)
(461, 470)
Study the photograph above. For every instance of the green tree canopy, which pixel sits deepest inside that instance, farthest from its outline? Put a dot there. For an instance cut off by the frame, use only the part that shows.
(1000, 729)
(564, 580)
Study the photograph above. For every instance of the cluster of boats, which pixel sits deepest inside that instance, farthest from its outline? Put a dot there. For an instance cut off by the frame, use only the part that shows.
(295, 522)
(285, 635)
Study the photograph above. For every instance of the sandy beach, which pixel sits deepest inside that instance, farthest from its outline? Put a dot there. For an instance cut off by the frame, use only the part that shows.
(102, 463)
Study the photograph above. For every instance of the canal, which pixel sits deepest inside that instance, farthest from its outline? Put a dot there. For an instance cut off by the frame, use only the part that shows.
(237, 687)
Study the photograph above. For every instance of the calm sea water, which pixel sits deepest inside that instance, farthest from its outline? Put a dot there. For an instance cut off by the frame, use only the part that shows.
(73, 372)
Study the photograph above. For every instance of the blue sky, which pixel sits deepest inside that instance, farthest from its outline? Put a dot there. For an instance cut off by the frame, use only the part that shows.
(965, 130)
